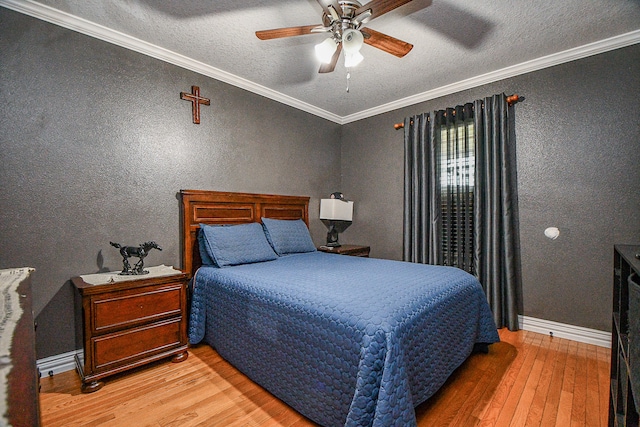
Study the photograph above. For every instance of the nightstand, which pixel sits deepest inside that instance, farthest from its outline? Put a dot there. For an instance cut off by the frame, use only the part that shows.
(129, 322)
(352, 250)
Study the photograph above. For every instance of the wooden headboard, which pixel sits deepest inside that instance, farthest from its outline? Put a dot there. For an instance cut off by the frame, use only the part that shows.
(216, 207)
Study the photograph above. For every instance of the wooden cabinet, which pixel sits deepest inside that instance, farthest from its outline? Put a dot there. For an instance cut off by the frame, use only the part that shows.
(352, 250)
(624, 397)
(123, 325)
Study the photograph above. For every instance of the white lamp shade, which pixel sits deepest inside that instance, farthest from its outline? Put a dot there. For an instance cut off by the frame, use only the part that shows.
(352, 59)
(336, 209)
(352, 40)
(325, 50)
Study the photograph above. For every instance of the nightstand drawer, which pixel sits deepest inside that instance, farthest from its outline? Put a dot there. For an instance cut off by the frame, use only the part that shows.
(135, 307)
(124, 347)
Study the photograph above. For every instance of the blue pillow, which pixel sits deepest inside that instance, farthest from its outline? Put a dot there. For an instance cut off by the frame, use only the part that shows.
(202, 245)
(235, 244)
(288, 236)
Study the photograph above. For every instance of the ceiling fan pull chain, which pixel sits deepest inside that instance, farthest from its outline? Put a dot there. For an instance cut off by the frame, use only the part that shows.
(348, 77)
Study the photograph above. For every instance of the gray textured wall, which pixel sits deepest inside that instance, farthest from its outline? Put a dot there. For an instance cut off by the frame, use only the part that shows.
(578, 149)
(95, 143)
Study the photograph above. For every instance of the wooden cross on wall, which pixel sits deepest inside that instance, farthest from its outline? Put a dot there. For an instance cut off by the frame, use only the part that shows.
(195, 99)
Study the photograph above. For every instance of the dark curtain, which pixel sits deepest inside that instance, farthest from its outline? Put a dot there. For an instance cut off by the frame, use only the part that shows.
(435, 211)
(422, 220)
(495, 236)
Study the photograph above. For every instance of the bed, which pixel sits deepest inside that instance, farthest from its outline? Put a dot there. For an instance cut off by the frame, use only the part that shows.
(346, 341)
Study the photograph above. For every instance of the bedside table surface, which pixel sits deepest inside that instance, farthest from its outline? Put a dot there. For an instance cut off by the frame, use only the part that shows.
(91, 284)
(357, 250)
(115, 276)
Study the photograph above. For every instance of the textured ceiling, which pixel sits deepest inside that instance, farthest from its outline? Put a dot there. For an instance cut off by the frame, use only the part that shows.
(457, 43)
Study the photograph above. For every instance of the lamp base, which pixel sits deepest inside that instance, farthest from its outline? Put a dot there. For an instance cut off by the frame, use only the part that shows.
(332, 238)
(335, 227)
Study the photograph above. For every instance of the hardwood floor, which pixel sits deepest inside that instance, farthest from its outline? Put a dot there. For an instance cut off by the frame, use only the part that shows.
(528, 379)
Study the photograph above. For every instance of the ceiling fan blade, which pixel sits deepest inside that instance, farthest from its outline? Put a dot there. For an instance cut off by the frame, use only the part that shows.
(328, 68)
(386, 43)
(379, 7)
(285, 32)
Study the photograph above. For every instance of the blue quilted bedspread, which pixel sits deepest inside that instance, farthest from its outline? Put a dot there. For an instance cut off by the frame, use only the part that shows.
(346, 341)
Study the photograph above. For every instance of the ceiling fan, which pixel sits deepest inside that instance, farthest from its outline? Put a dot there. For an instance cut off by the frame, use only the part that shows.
(343, 20)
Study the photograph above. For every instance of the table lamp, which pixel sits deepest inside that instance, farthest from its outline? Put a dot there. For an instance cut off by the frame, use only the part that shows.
(336, 213)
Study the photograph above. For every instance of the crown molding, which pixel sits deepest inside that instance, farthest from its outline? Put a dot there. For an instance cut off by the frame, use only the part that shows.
(83, 26)
(66, 20)
(569, 55)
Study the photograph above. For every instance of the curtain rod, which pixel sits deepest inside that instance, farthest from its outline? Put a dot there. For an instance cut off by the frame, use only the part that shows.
(510, 100)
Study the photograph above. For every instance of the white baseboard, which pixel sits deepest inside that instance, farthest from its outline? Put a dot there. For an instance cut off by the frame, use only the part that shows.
(65, 362)
(56, 364)
(562, 330)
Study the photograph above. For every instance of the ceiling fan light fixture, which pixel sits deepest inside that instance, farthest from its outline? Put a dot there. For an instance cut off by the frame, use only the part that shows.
(352, 59)
(342, 21)
(352, 40)
(325, 50)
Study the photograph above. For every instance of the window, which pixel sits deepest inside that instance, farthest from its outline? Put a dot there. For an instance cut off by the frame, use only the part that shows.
(457, 179)
(460, 199)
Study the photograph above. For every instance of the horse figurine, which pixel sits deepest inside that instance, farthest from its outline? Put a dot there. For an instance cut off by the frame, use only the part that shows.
(132, 251)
